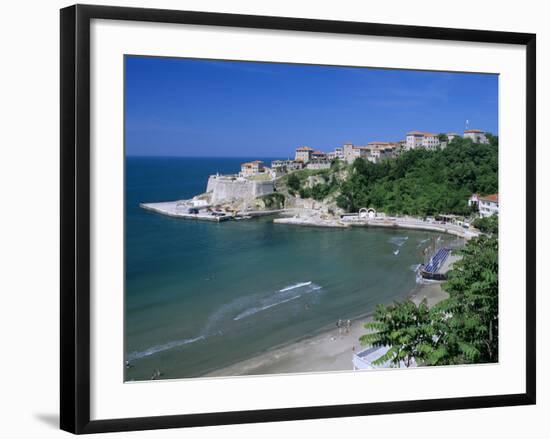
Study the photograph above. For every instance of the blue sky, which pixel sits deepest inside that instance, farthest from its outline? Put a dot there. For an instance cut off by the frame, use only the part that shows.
(183, 107)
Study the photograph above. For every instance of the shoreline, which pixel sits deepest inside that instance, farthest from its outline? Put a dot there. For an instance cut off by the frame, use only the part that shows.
(313, 219)
(325, 351)
(393, 223)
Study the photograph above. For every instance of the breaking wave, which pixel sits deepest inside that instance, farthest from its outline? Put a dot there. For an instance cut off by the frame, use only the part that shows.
(292, 287)
(220, 321)
(255, 310)
(279, 298)
(163, 347)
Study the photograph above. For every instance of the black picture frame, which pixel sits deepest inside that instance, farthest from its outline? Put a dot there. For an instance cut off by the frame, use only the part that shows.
(75, 217)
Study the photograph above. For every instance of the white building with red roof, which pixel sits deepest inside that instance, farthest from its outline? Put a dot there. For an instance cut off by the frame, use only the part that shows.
(477, 136)
(488, 205)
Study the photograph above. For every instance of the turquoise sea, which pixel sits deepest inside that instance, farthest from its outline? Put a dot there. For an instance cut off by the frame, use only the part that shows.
(200, 296)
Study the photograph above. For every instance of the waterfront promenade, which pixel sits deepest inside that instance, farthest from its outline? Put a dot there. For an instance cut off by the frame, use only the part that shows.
(388, 222)
(308, 218)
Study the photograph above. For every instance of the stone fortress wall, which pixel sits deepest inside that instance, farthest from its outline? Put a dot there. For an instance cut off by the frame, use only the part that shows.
(227, 188)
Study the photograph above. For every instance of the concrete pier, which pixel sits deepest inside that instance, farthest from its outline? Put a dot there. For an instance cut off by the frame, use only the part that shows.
(171, 208)
(176, 209)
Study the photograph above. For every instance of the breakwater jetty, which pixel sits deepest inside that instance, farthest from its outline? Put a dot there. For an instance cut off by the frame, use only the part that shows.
(179, 209)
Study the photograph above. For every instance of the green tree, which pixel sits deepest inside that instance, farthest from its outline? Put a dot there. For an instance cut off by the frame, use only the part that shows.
(493, 140)
(405, 328)
(293, 182)
(459, 330)
(421, 182)
(471, 335)
(487, 224)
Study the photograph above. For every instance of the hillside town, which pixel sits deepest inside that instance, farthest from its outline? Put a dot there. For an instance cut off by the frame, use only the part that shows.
(259, 189)
(309, 158)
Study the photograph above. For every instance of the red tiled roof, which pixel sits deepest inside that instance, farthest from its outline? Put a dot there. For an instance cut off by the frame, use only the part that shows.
(474, 131)
(492, 197)
(421, 133)
(252, 163)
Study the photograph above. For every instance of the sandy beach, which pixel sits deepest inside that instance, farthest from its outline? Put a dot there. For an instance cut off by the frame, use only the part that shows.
(327, 351)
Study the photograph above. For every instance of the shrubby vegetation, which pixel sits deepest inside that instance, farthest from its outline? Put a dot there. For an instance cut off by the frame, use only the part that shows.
(487, 225)
(421, 182)
(405, 328)
(459, 330)
(296, 183)
(274, 200)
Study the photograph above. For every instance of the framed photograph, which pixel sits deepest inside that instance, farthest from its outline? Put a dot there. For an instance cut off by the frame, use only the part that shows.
(268, 218)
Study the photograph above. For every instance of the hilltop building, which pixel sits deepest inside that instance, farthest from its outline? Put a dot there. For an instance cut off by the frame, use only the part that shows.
(451, 136)
(477, 136)
(338, 153)
(318, 160)
(380, 145)
(352, 152)
(431, 141)
(417, 139)
(303, 154)
(249, 169)
(281, 167)
(414, 139)
(373, 151)
(288, 165)
(319, 155)
(349, 152)
(381, 150)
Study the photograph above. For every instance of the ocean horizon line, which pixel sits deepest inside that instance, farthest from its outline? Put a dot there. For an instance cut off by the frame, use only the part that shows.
(206, 157)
